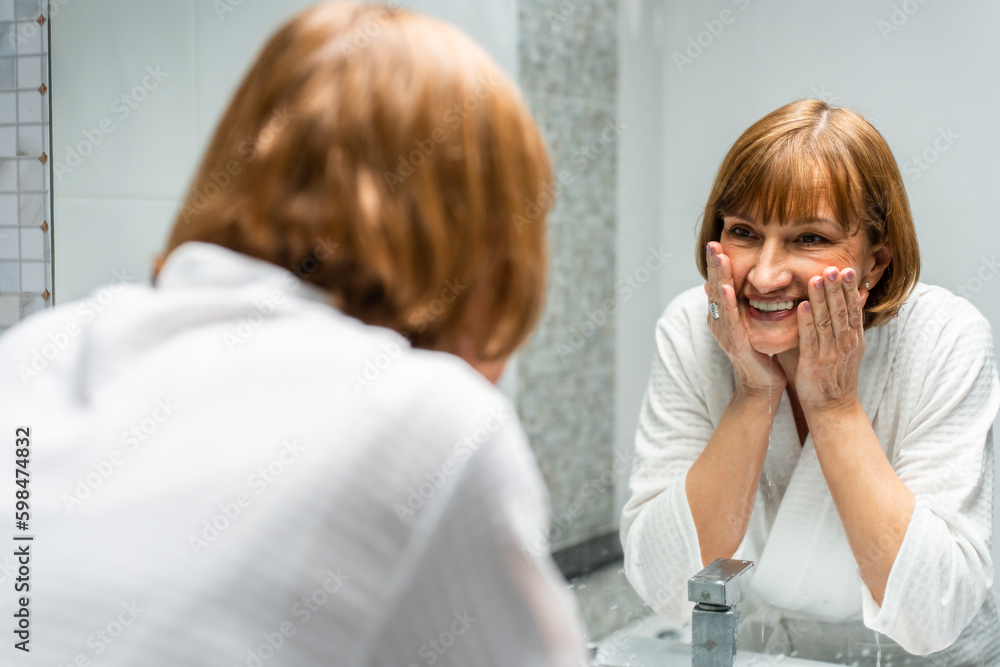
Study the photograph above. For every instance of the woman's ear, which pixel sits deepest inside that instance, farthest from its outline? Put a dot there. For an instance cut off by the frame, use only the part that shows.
(880, 260)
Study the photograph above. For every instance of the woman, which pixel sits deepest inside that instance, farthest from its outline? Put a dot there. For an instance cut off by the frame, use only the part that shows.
(282, 454)
(821, 412)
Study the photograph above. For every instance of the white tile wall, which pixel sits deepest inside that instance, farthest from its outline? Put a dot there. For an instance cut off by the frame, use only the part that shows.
(25, 230)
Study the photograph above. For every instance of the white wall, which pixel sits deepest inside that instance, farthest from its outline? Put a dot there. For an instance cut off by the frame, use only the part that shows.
(936, 72)
(641, 106)
(115, 204)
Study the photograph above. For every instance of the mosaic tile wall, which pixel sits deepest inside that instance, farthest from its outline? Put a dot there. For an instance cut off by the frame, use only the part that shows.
(25, 181)
(568, 70)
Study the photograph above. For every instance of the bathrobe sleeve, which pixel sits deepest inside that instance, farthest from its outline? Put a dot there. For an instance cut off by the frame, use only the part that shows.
(658, 534)
(943, 570)
(477, 584)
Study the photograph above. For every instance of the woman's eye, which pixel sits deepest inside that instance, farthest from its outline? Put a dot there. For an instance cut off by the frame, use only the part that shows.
(812, 239)
(740, 232)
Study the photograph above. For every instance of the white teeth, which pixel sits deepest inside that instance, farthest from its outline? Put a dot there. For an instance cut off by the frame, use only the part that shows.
(771, 305)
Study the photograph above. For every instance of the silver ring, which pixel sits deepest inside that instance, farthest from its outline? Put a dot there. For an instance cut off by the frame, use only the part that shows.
(714, 309)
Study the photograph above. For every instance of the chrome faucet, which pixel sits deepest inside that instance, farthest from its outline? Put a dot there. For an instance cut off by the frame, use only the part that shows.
(715, 625)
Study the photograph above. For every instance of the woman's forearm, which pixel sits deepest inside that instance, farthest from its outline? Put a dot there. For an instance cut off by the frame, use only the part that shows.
(722, 483)
(873, 503)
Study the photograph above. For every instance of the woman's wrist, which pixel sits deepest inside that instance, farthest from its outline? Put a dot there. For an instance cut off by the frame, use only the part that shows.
(770, 394)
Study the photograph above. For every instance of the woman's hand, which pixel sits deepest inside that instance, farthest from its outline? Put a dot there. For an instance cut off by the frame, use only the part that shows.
(831, 341)
(754, 370)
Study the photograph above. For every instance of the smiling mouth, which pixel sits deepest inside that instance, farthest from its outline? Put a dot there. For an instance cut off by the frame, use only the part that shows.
(772, 306)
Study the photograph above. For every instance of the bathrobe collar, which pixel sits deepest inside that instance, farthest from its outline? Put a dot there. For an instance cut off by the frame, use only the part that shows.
(197, 264)
(200, 285)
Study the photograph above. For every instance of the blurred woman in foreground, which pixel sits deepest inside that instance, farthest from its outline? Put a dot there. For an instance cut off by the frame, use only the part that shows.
(282, 453)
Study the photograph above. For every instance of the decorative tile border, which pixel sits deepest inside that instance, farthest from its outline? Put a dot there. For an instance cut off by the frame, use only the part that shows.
(25, 169)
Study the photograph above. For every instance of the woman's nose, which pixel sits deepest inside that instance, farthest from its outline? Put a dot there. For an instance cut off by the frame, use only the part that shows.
(770, 272)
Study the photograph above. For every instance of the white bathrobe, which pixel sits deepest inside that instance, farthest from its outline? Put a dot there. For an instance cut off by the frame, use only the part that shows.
(928, 382)
(225, 470)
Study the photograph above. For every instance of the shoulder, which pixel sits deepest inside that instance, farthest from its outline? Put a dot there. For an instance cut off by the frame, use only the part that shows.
(933, 318)
(685, 309)
(683, 327)
(475, 440)
(465, 415)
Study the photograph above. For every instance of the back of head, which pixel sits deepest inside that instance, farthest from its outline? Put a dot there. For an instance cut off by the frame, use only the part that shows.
(384, 157)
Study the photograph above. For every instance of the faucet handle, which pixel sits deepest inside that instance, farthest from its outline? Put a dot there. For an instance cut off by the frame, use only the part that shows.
(718, 584)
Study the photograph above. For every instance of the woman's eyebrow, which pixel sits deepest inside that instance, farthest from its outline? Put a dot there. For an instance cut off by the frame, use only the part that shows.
(802, 221)
(806, 221)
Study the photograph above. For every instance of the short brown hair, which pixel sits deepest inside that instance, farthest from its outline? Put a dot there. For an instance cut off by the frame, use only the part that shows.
(771, 173)
(399, 142)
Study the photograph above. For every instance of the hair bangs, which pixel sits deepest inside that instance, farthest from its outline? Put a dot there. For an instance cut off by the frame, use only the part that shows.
(792, 180)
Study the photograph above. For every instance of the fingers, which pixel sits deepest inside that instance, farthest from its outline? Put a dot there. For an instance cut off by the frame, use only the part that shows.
(720, 291)
(822, 320)
(713, 273)
(853, 300)
(808, 337)
(730, 310)
(836, 304)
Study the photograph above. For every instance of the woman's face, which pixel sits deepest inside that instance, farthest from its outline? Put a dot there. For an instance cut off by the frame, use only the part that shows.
(773, 263)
